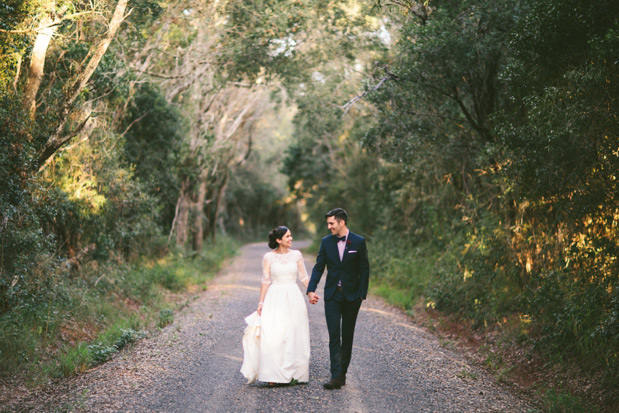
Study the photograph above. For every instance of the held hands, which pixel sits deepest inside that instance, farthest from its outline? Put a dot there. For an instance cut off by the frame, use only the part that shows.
(313, 298)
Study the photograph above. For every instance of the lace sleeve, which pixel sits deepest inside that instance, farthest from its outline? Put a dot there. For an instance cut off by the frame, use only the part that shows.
(266, 269)
(302, 272)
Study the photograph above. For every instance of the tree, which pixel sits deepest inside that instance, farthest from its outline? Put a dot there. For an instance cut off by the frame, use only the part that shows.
(58, 137)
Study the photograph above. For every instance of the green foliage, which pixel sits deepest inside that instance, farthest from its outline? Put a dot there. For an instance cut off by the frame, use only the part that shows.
(25, 248)
(96, 206)
(84, 321)
(13, 16)
(481, 163)
(494, 195)
(99, 353)
(260, 204)
(152, 146)
(71, 363)
(263, 41)
(112, 341)
(74, 360)
(561, 145)
(560, 401)
(525, 135)
(166, 316)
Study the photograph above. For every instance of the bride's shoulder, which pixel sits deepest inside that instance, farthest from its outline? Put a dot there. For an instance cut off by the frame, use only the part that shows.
(296, 253)
(268, 255)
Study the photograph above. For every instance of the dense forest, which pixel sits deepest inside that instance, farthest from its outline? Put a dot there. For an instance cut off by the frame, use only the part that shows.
(474, 143)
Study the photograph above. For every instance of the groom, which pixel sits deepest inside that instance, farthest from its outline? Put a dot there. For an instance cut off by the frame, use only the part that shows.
(346, 257)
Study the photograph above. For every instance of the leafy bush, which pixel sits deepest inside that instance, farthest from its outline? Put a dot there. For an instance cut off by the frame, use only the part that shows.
(101, 352)
(111, 303)
(484, 174)
(166, 316)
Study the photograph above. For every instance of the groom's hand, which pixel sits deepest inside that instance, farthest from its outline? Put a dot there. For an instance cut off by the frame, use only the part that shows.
(313, 298)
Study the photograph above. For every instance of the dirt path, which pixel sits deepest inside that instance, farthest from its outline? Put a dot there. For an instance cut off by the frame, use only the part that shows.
(193, 365)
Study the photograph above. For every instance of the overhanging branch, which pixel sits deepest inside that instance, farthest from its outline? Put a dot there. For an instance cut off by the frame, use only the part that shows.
(47, 26)
(97, 51)
(357, 98)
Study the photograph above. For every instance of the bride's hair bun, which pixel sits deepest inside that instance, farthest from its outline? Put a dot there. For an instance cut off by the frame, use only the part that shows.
(275, 234)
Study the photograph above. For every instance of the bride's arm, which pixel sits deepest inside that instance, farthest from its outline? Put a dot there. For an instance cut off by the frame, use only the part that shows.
(266, 281)
(303, 277)
(263, 293)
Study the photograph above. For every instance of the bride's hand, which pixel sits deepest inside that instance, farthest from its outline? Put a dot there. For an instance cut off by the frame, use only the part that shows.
(259, 310)
(313, 298)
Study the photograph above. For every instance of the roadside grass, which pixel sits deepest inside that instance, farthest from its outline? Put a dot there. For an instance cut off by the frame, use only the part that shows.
(410, 276)
(561, 401)
(88, 316)
(401, 276)
(419, 278)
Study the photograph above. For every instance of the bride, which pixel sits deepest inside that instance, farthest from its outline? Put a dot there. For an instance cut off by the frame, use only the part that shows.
(282, 352)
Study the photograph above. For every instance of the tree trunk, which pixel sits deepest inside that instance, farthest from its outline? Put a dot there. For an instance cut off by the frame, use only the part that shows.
(37, 64)
(218, 204)
(56, 140)
(198, 229)
(183, 218)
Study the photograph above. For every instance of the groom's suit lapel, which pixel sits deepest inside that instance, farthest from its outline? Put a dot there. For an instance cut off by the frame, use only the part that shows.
(335, 251)
(348, 245)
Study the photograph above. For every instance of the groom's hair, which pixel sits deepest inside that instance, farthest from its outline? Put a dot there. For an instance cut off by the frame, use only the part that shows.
(339, 214)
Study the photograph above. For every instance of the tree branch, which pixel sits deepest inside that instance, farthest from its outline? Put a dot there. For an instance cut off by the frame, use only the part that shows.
(163, 76)
(55, 142)
(466, 113)
(64, 140)
(249, 148)
(357, 98)
(47, 26)
(133, 123)
(17, 72)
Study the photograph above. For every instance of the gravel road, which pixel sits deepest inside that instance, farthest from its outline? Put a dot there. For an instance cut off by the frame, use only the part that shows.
(193, 364)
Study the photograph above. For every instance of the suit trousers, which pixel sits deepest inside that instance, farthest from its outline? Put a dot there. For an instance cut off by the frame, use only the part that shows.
(341, 318)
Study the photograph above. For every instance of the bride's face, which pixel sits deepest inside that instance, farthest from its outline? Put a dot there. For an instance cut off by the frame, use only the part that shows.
(286, 241)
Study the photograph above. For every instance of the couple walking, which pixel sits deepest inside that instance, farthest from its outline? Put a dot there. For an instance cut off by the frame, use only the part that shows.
(277, 341)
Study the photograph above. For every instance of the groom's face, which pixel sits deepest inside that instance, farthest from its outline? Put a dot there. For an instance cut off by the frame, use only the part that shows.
(334, 225)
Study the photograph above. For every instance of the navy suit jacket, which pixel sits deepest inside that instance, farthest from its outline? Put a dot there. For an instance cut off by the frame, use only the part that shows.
(353, 270)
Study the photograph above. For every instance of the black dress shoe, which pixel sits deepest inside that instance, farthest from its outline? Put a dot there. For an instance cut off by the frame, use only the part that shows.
(334, 384)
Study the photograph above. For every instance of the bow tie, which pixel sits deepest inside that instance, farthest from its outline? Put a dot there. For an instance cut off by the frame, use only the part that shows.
(341, 238)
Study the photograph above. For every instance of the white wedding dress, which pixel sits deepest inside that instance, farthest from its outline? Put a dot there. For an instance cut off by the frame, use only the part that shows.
(282, 351)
